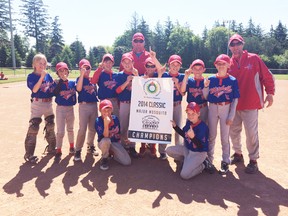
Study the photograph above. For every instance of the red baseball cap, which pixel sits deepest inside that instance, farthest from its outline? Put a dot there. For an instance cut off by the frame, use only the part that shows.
(105, 104)
(127, 56)
(236, 37)
(222, 58)
(138, 35)
(149, 60)
(197, 62)
(84, 62)
(193, 106)
(175, 58)
(108, 55)
(61, 65)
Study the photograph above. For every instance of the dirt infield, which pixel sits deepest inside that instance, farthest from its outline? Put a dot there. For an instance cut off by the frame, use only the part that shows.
(147, 187)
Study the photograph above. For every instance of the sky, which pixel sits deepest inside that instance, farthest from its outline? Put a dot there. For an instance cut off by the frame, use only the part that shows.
(96, 22)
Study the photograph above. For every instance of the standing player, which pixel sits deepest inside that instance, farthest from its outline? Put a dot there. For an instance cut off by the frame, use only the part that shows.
(88, 111)
(252, 75)
(108, 130)
(65, 93)
(41, 85)
(138, 53)
(223, 94)
(194, 86)
(123, 89)
(194, 151)
(106, 80)
(174, 64)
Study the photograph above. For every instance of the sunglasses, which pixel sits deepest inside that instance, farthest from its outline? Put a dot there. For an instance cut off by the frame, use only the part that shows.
(138, 41)
(150, 66)
(235, 44)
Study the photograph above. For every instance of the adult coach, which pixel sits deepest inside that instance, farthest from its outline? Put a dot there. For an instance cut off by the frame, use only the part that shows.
(252, 75)
(139, 53)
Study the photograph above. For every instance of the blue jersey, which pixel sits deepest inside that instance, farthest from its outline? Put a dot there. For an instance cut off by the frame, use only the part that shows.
(125, 95)
(194, 89)
(88, 93)
(201, 132)
(67, 94)
(107, 85)
(177, 95)
(223, 89)
(46, 88)
(114, 129)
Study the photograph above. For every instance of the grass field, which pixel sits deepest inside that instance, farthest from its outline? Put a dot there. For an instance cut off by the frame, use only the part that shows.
(21, 74)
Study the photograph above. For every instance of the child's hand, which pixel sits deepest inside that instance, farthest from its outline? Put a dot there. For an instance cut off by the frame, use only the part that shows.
(229, 122)
(191, 133)
(206, 82)
(135, 72)
(82, 71)
(43, 73)
(173, 123)
(188, 72)
(152, 53)
(107, 120)
(161, 70)
(101, 65)
(175, 80)
(129, 78)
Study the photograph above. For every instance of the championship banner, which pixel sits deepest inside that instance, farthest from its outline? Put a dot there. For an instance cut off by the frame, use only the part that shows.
(151, 110)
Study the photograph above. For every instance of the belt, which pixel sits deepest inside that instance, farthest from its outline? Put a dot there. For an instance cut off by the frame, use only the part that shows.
(83, 102)
(42, 99)
(202, 105)
(128, 102)
(222, 103)
(176, 103)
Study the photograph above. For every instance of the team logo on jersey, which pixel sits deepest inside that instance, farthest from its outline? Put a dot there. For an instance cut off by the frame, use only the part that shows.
(110, 84)
(45, 87)
(195, 92)
(152, 87)
(150, 122)
(67, 94)
(249, 67)
(219, 91)
(89, 89)
(114, 132)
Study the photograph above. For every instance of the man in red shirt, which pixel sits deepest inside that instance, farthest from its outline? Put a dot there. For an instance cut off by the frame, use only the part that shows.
(139, 53)
(253, 76)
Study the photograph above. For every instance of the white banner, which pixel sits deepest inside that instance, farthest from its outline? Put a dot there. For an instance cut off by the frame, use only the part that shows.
(151, 110)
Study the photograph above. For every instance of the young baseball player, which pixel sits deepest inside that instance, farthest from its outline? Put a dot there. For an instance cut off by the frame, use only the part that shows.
(194, 151)
(88, 111)
(105, 78)
(41, 85)
(223, 93)
(150, 72)
(194, 86)
(108, 129)
(123, 89)
(174, 64)
(65, 92)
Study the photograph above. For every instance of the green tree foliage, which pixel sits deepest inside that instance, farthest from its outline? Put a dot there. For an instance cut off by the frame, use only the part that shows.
(56, 40)
(20, 46)
(280, 34)
(4, 40)
(9, 62)
(30, 56)
(78, 51)
(3, 56)
(4, 15)
(35, 22)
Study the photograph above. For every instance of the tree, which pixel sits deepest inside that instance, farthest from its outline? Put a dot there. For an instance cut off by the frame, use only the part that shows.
(144, 29)
(9, 62)
(4, 40)
(4, 15)
(91, 57)
(35, 23)
(250, 30)
(30, 56)
(160, 43)
(3, 56)
(20, 46)
(78, 51)
(56, 41)
(168, 29)
(280, 34)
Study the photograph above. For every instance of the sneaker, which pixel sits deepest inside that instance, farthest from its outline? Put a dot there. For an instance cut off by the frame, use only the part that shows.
(224, 168)
(104, 164)
(236, 158)
(133, 152)
(163, 156)
(252, 167)
(92, 150)
(142, 152)
(209, 167)
(72, 150)
(77, 156)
